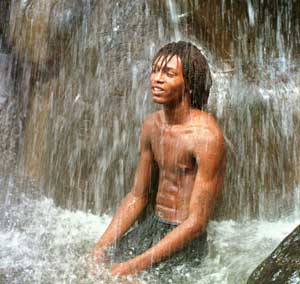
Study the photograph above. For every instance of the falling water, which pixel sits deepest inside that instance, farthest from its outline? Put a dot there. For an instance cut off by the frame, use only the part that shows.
(174, 19)
(73, 94)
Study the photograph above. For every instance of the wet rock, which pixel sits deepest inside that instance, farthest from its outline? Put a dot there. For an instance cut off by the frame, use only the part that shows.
(9, 114)
(65, 15)
(283, 265)
(217, 24)
(4, 19)
(5, 65)
(41, 30)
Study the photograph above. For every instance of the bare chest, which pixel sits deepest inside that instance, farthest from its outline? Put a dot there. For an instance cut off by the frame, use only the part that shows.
(173, 149)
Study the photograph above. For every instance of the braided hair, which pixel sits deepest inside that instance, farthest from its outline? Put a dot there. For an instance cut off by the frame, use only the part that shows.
(195, 69)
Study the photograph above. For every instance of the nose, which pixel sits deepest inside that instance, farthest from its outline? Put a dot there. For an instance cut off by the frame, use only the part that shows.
(157, 76)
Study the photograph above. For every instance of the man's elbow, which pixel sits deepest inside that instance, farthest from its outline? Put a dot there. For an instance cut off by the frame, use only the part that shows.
(196, 226)
(137, 200)
(144, 201)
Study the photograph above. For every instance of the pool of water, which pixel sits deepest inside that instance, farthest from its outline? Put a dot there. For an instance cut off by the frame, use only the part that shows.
(41, 243)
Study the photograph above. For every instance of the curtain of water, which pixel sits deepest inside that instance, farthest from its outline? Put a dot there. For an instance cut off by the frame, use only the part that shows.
(73, 93)
(255, 97)
(84, 78)
(88, 65)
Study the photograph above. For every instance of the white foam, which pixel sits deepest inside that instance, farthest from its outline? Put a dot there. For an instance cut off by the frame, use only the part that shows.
(45, 244)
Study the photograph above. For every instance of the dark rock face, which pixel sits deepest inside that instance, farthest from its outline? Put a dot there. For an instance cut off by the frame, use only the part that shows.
(103, 52)
(41, 30)
(283, 265)
(5, 64)
(9, 123)
(4, 19)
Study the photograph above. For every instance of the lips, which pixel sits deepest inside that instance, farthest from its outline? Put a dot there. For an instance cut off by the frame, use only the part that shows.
(156, 90)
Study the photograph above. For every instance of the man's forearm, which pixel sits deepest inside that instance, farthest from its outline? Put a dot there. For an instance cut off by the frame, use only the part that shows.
(128, 212)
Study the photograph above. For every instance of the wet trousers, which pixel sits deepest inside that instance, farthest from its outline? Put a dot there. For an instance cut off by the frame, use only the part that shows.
(150, 232)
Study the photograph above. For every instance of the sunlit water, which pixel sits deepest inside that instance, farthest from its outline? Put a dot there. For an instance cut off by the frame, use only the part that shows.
(41, 243)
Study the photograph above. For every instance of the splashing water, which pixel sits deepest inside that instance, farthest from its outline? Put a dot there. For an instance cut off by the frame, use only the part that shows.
(41, 243)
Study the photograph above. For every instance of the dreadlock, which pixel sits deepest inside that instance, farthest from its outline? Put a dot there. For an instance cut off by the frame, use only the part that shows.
(195, 69)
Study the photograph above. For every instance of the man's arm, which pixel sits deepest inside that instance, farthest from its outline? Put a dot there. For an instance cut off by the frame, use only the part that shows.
(135, 201)
(210, 157)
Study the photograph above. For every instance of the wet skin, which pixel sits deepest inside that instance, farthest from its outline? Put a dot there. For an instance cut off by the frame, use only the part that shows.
(188, 147)
(175, 150)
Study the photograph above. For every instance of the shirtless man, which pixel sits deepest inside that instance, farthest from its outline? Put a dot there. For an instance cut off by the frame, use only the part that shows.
(188, 147)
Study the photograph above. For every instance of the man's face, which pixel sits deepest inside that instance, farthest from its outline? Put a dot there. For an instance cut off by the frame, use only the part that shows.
(167, 82)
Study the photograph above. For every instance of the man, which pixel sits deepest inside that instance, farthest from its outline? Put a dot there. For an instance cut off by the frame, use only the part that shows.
(188, 147)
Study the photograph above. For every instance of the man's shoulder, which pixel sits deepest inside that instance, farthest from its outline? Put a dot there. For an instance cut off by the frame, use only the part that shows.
(207, 128)
(148, 126)
(150, 120)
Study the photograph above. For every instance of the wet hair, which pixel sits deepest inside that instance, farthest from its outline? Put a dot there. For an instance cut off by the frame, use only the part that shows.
(195, 69)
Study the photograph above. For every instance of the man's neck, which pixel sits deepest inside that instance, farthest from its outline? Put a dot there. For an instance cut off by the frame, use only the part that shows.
(177, 114)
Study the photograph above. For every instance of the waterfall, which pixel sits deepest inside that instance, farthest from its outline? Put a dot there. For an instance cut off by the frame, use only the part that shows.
(88, 93)
(74, 90)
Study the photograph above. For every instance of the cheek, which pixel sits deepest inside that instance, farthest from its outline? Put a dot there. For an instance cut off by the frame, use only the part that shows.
(179, 86)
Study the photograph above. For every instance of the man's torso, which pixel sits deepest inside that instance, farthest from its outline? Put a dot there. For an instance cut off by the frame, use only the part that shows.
(173, 150)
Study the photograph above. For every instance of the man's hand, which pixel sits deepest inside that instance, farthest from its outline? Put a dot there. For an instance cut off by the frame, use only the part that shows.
(100, 255)
(124, 268)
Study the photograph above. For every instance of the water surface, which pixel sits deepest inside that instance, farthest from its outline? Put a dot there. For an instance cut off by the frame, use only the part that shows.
(41, 243)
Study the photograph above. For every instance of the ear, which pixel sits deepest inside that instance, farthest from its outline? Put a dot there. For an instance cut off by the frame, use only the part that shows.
(188, 90)
(186, 86)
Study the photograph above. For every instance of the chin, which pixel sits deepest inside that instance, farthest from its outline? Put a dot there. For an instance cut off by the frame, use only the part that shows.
(159, 100)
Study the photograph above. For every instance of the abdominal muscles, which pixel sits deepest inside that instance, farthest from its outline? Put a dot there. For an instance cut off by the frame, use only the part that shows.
(173, 197)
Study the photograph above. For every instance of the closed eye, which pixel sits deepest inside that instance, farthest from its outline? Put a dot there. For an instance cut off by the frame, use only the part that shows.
(170, 71)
